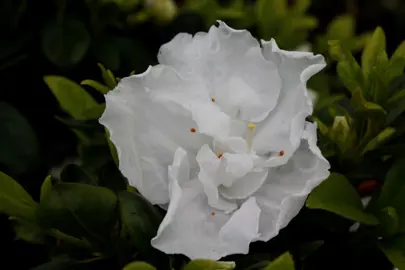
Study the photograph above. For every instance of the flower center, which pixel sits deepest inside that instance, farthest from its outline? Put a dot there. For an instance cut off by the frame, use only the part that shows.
(249, 137)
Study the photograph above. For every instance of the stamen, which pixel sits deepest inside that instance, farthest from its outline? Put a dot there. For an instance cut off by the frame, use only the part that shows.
(219, 155)
(212, 213)
(213, 99)
(249, 137)
(192, 130)
(281, 153)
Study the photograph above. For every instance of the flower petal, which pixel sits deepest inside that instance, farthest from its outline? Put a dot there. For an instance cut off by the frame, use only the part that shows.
(287, 187)
(211, 175)
(230, 63)
(238, 236)
(191, 228)
(245, 186)
(149, 117)
(282, 129)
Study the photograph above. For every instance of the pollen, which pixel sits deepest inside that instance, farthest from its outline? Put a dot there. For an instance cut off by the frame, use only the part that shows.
(213, 99)
(219, 155)
(192, 130)
(212, 213)
(281, 153)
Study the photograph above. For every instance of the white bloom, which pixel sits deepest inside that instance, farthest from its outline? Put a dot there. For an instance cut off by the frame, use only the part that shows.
(217, 133)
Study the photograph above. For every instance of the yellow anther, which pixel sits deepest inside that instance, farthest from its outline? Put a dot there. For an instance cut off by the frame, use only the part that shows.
(251, 126)
(249, 138)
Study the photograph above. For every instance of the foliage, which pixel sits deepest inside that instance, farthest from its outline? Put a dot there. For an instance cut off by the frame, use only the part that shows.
(87, 217)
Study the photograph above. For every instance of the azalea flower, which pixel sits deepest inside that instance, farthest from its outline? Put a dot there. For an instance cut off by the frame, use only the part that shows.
(217, 135)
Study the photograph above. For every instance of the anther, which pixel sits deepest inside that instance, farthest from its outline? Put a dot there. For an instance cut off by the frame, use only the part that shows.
(281, 153)
(192, 130)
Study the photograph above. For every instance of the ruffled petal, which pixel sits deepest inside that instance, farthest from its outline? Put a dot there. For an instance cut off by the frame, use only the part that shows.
(194, 229)
(281, 131)
(245, 186)
(287, 187)
(148, 117)
(212, 174)
(230, 63)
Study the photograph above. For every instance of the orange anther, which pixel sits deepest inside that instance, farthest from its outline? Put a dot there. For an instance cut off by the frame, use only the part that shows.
(281, 153)
(213, 99)
(192, 130)
(212, 213)
(219, 155)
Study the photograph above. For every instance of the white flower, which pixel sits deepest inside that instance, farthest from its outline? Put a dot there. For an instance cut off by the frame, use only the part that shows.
(217, 133)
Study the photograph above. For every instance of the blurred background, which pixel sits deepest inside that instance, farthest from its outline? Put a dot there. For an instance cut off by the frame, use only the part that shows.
(69, 38)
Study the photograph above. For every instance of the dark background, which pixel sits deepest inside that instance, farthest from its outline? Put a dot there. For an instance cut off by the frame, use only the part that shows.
(22, 71)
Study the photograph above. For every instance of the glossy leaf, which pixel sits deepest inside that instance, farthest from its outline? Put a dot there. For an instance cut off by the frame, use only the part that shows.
(382, 137)
(389, 221)
(209, 265)
(65, 43)
(338, 196)
(284, 262)
(96, 85)
(79, 210)
(393, 192)
(72, 98)
(18, 142)
(372, 50)
(46, 187)
(361, 104)
(347, 68)
(138, 266)
(108, 77)
(27, 231)
(394, 249)
(140, 218)
(397, 61)
(14, 200)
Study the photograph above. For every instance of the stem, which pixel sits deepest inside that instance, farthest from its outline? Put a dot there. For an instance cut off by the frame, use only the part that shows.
(68, 238)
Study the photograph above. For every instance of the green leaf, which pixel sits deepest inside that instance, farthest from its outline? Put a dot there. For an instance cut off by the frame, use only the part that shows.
(79, 210)
(341, 28)
(140, 218)
(27, 231)
(301, 6)
(372, 50)
(108, 77)
(379, 139)
(46, 187)
(395, 112)
(73, 173)
(268, 12)
(209, 265)
(65, 43)
(18, 142)
(14, 200)
(338, 196)
(113, 150)
(72, 98)
(389, 221)
(139, 266)
(347, 68)
(284, 262)
(394, 183)
(393, 192)
(96, 85)
(362, 105)
(62, 263)
(394, 250)
(94, 112)
(397, 61)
